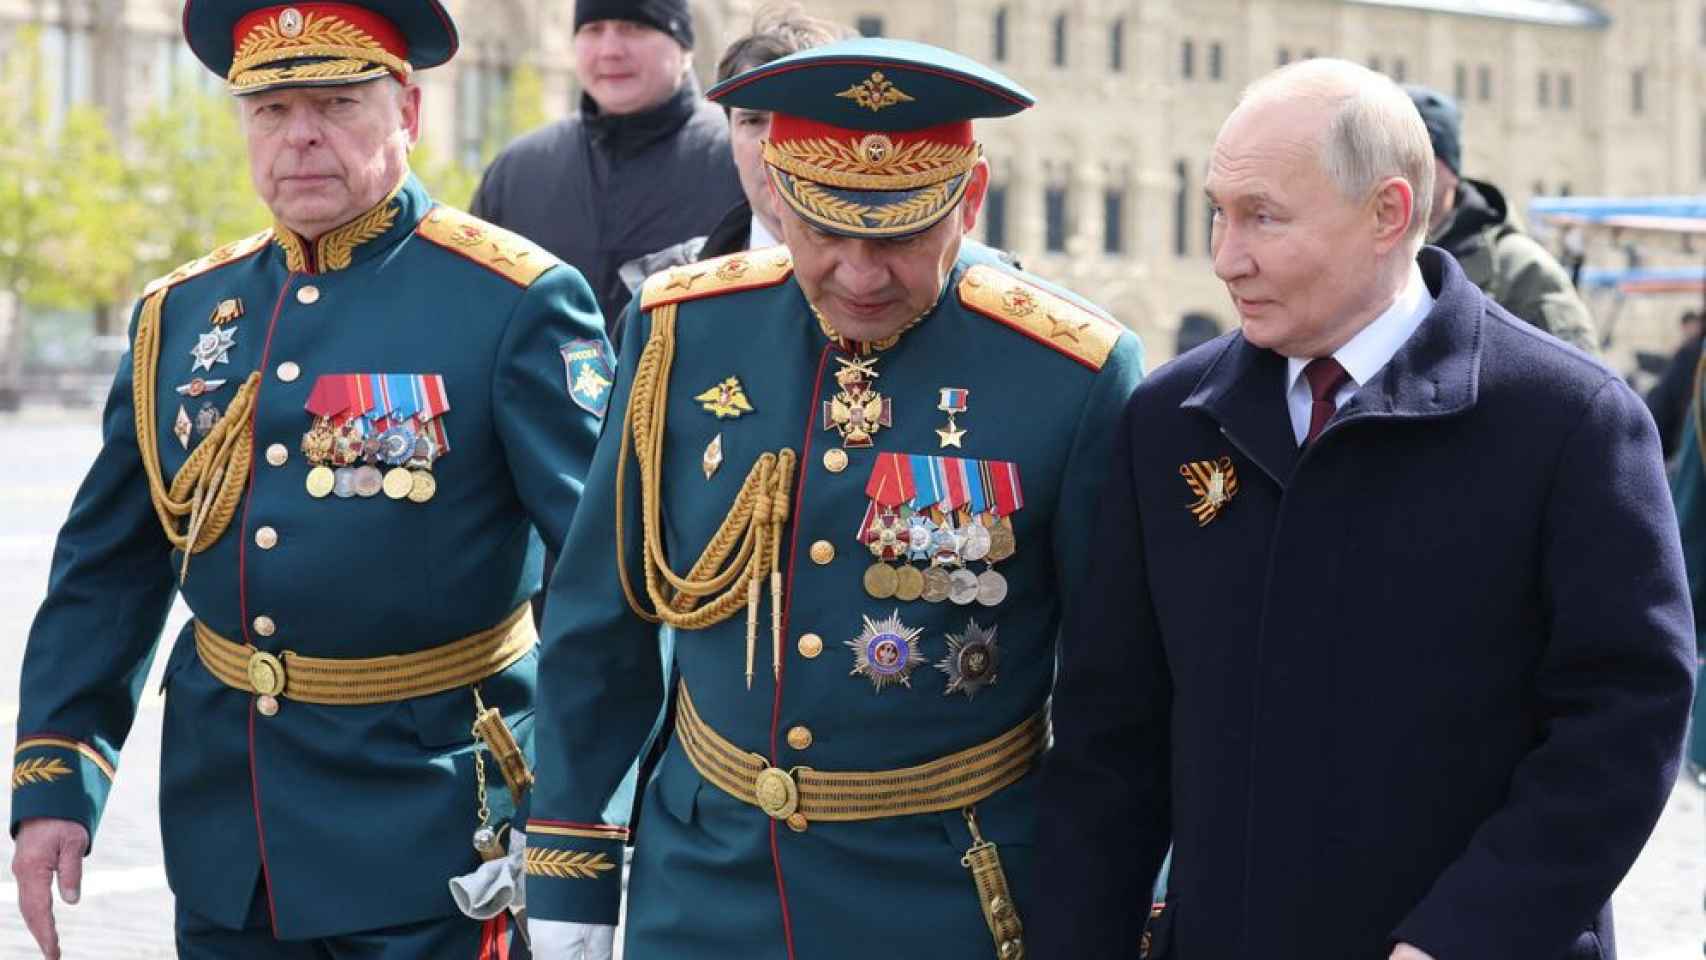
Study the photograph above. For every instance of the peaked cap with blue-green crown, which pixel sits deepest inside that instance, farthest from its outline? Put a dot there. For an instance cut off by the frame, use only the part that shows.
(258, 45)
(873, 137)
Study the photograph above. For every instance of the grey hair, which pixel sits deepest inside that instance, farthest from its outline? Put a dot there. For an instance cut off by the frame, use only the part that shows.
(1373, 135)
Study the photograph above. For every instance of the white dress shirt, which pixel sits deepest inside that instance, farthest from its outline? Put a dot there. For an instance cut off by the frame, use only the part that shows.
(759, 237)
(1365, 354)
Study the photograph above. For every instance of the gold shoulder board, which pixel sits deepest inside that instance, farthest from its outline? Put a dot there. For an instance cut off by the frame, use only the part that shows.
(507, 254)
(230, 253)
(1040, 314)
(708, 278)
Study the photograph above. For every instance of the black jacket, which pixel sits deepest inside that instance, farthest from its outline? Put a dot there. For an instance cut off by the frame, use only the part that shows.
(600, 190)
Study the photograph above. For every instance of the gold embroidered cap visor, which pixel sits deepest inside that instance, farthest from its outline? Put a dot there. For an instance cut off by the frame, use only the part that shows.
(872, 137)
(259, 46)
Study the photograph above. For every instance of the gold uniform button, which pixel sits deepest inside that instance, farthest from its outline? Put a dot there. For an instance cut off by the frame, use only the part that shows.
(288, 371)
(266, 538)
(810, 646)
(800, 738)
(823, 552)
(264, 626)
(278, 454)
(835, 460)
(308, 296)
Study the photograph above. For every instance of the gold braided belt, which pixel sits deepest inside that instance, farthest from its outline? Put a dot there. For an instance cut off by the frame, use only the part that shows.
(292, 676)
(801, 795)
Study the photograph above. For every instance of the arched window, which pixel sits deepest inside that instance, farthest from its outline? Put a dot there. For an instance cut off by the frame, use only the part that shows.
(1000, 35)
(1060, 40)
(1116, 46)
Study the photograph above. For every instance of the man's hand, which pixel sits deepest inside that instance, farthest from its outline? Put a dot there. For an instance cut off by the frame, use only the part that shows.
(46, 847)
(1404, 951)
(561, 940)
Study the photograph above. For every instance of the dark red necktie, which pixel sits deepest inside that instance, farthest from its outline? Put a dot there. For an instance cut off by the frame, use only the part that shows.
(1325, 377)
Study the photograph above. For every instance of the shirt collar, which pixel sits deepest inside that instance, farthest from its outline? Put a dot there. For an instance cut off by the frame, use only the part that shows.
(759, 238)
(1366, 353)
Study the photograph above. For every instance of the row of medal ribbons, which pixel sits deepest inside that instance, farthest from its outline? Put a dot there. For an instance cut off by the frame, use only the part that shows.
(376, 433)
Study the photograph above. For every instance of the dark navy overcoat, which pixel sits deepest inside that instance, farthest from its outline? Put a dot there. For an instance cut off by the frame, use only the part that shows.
(1423, 681)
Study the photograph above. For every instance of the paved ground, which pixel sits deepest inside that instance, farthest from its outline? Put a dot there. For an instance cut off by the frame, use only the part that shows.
(126, 908)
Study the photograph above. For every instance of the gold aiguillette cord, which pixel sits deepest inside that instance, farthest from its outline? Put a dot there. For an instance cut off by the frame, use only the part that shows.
(747, 545)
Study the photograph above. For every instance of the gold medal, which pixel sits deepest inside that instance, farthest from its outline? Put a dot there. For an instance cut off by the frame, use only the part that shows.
(399, 483)
(909, 584)
(423, 487)
(1001, 541)
(937, 585)
(320, 482)
(881, 581)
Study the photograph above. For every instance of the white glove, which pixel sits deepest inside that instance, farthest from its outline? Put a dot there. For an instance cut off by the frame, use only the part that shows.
(566, 940)
(497, 885)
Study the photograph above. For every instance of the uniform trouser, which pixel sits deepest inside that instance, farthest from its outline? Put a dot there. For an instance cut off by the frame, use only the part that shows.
(448, 938)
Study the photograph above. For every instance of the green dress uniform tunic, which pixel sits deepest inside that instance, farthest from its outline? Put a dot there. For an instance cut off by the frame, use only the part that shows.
(481, 352)
(863, 679)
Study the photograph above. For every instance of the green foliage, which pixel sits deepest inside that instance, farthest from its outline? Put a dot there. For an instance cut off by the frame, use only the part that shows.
(445, 178)
(190, 172)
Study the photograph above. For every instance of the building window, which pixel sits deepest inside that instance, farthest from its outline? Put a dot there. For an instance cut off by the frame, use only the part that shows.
(1214, 58)
(1460, 81)
(1116, 47)
(1543, 95)
(1484, 83)
(1400, 70)
(1060, 40)
(1182, 211)
(482, 108)
(1309, 53)
(1054, 219)
(1283, 57)
(869, 26)
(1001, 35)
(1539, 189)
(67, 67)
(1638, 91)
(1566, 91)
(1187, 59)
(1375, 64)
(1113, 220)
(1703, 146)
(995, 217)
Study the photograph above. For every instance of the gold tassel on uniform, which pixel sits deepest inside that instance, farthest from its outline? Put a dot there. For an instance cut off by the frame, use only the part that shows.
(203, 494)
(746, 546)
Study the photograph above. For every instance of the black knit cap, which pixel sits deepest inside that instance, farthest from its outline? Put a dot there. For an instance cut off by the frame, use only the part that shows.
(1444, 122)
(670, 16)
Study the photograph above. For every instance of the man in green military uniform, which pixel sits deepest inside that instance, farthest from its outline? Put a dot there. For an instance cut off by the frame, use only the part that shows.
(336, 438)
(857, 477)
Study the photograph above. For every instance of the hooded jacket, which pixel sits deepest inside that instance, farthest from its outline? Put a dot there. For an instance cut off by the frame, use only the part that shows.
(1512, 268)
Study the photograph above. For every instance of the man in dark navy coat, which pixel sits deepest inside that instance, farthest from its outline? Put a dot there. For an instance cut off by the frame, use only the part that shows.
(1390, 637)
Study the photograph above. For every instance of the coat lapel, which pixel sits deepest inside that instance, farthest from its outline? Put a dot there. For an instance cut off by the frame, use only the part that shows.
(1434, 374)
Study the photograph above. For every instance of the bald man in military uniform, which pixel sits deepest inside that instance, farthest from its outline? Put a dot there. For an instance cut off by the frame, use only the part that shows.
(336, 438)
(856, 476)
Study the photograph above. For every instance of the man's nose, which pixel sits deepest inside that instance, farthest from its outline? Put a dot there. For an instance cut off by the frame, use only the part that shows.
(1231, 256)
(302, 128)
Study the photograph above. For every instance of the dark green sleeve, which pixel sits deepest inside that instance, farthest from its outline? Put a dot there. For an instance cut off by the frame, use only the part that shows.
(600, 689)
(1538, 289)
(93, 639)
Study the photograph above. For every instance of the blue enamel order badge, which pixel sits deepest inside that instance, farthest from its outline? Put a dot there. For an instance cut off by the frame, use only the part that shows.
(590, 374)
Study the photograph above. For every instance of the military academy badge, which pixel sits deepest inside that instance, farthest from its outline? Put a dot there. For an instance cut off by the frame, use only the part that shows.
(886, 651)
(1214, 483)
(590, 375)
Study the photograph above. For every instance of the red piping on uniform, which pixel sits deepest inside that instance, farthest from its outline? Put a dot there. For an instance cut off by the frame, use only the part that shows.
(243, 590)
(787, 622)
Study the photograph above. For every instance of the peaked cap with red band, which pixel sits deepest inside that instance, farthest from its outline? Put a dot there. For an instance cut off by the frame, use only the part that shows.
(266, 45)
(872, 137)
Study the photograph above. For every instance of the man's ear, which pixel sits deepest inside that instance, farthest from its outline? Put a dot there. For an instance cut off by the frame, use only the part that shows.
(1393, 207)
(972, 204)
(409, 100)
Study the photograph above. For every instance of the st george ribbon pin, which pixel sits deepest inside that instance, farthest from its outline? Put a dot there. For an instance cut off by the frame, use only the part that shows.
(1214, 483)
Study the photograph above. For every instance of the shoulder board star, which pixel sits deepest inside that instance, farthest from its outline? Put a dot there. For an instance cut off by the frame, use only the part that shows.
(1041, 314)
(748, 270)
(230, 253)
(511, 256)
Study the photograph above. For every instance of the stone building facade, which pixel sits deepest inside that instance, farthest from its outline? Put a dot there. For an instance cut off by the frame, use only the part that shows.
(1100, 187)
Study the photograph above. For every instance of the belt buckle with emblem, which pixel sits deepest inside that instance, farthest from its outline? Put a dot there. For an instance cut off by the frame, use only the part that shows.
(1214, 482)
